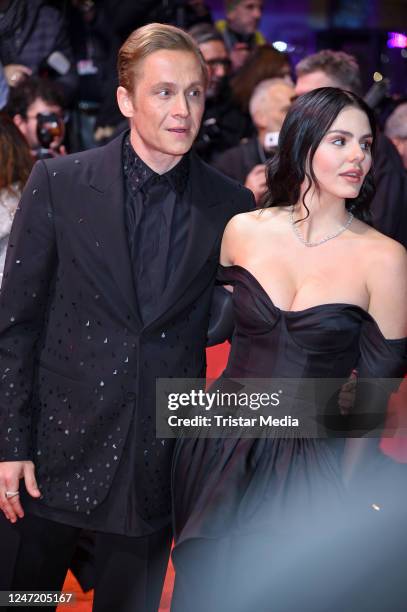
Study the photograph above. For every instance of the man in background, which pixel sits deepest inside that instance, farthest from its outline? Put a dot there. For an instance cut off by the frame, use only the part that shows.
(268, 107)
(37, 109)
(396, 130)
(389, 206)
(223, 124)
(239, 29)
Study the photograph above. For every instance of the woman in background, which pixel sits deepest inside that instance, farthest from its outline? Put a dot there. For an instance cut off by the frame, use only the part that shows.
(15, 166)
(272, 524)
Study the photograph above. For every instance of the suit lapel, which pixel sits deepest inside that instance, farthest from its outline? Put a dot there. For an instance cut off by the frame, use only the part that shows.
(105, 206)
(105, 210)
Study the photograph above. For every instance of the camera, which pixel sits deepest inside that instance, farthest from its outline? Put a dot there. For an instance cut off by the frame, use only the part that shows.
(50, 129)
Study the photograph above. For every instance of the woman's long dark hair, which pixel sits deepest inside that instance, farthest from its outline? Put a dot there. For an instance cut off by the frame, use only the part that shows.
(15, 157)
(305, 125)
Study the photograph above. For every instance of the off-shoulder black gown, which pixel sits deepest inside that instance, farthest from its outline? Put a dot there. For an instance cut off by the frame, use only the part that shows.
(263, 525)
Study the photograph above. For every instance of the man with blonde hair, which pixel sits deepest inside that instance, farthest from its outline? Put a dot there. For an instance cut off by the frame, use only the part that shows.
(108, 285)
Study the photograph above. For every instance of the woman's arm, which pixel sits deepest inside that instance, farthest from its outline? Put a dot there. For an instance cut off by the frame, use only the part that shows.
(387, 286)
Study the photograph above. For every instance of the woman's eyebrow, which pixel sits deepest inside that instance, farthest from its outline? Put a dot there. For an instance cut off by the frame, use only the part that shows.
(345, 133)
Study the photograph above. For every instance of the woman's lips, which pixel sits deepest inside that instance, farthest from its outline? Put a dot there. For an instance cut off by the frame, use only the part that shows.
(352, 177)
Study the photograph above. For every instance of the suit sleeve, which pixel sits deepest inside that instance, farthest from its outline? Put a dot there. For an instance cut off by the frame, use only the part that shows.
(221, 322)
(29, 270)
(246, 201)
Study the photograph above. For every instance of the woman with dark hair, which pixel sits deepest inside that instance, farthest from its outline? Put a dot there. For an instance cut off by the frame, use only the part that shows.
(271, 521)
(15, 166)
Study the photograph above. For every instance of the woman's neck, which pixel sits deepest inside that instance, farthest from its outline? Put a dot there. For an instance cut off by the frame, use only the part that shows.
(326, 215)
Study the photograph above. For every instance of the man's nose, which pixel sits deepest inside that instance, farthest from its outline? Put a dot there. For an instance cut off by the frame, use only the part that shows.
(220, 71)
(181, 106)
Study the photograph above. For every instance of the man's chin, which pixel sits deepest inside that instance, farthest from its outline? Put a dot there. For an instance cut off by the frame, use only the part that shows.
(179, 148)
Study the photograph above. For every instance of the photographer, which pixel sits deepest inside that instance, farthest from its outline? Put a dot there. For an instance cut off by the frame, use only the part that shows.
(268, 107)
(37, 109)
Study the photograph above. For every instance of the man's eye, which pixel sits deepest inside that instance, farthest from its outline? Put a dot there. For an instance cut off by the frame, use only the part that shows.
(164, 93)
(195, 93)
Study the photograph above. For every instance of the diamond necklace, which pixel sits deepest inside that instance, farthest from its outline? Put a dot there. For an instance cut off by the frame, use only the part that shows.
(308, 243)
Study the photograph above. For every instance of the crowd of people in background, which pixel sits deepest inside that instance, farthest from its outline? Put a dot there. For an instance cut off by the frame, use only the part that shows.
(58, 85)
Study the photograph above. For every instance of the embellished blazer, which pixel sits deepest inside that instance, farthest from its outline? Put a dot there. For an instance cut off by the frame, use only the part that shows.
(77, 365)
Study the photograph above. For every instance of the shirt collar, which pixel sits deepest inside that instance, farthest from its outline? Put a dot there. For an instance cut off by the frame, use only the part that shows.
(138, 173)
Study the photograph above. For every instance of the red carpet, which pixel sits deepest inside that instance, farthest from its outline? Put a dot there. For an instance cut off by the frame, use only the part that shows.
(84, 600)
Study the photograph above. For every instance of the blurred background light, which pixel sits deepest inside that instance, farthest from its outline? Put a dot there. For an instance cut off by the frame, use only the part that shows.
(397, 40)
(280, 45)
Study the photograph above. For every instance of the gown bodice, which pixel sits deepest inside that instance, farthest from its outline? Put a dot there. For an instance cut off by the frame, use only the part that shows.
(323, 341)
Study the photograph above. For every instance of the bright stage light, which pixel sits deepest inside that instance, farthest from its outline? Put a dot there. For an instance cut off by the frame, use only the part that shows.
(280, 45)
(397, 40)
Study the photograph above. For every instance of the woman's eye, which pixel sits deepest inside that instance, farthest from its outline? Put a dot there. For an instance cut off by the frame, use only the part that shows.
(195, 93)
(366, 145)
(338, 141)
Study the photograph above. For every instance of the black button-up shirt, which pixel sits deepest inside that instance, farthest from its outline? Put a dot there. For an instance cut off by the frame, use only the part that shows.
(156, 216)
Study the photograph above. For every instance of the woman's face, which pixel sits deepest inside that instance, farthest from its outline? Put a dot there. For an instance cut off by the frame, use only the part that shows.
(343, 157)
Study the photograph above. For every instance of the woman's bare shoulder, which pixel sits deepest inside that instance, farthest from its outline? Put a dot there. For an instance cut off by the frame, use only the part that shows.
(389, 255)
(385, 264)
(379, 247)
(249, 221)
(245, 229)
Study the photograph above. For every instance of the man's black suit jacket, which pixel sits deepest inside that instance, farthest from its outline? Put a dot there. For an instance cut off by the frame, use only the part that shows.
(77, 366)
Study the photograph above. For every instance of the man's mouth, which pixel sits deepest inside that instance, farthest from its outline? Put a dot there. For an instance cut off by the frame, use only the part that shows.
(179, 130)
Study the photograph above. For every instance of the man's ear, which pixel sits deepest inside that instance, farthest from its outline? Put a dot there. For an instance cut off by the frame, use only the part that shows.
(18, 120)
(259, 119)
(21, 123)
(398, 143)
(124, 101)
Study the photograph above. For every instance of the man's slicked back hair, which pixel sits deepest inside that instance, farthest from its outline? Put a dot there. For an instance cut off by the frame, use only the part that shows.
(147, 40)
